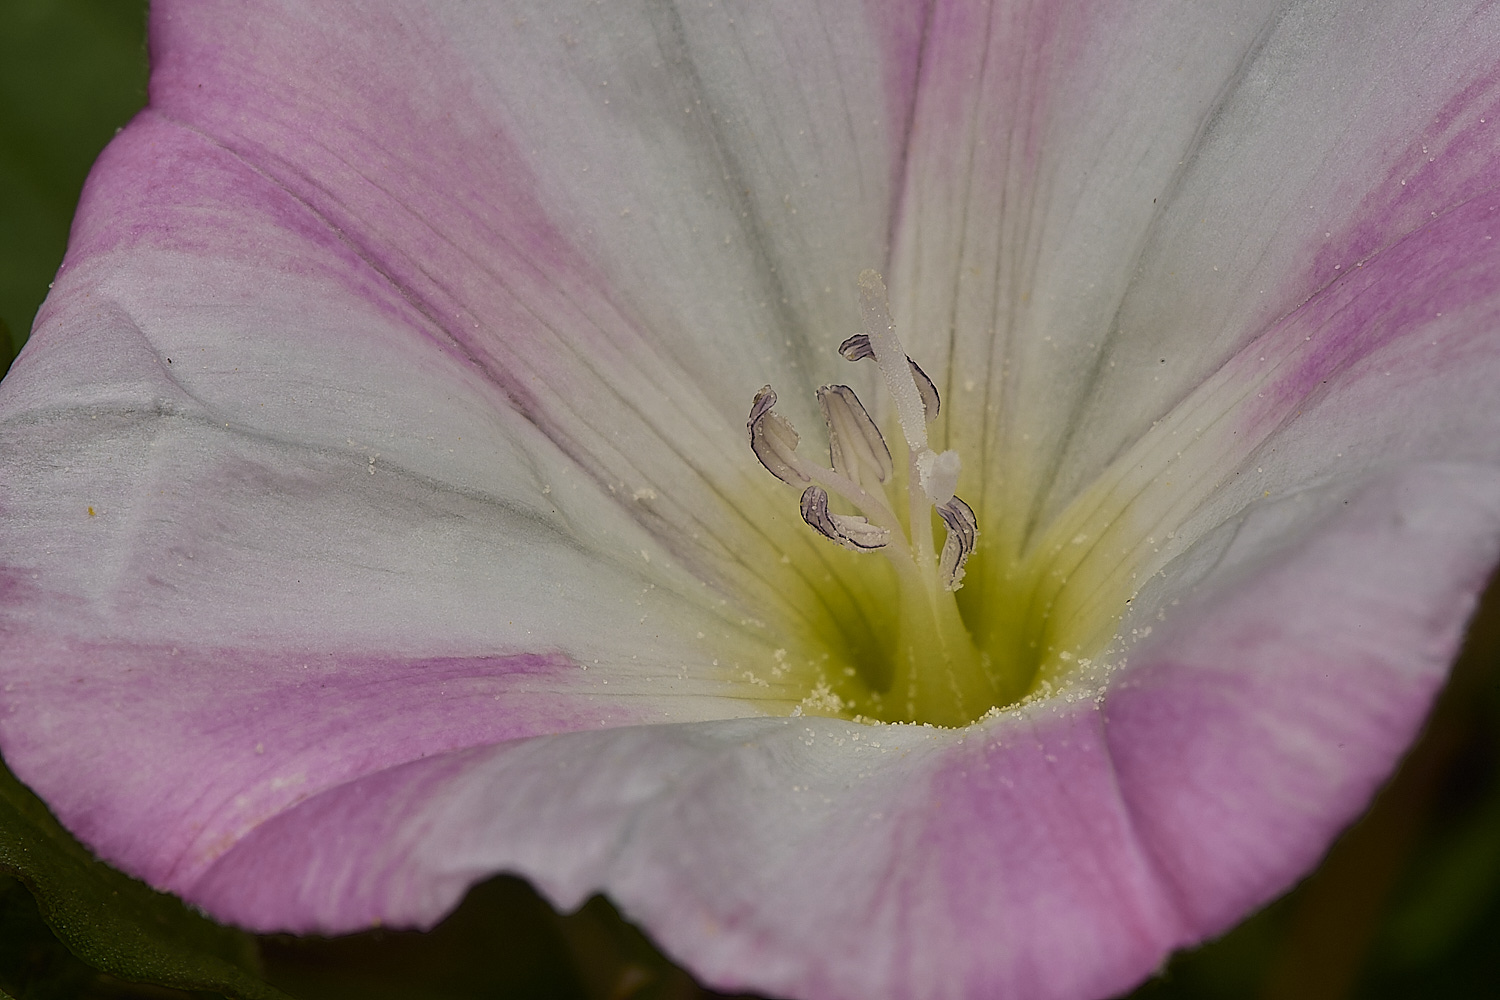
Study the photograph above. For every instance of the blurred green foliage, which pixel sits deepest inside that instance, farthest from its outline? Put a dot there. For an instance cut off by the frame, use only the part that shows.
(71, 73)
(112, 923)
(1407, 903)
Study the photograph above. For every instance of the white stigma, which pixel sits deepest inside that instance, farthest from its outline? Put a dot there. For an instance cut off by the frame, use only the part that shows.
(938, 473)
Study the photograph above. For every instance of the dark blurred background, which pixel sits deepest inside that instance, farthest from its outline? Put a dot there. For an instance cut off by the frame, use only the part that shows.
(1407, 903)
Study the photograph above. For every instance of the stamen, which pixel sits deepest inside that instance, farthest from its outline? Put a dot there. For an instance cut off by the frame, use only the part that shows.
(931, 404)
(857, 348)
(854, 442)
(850, 531)
(774, 439)
(963, 531)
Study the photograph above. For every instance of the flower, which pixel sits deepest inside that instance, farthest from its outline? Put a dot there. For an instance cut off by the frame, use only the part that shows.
(379, 514)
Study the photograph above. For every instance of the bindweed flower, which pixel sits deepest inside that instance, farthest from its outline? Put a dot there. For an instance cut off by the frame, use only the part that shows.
(469, 438)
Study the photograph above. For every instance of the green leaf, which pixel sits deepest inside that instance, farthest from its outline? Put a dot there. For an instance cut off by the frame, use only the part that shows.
(113, 922)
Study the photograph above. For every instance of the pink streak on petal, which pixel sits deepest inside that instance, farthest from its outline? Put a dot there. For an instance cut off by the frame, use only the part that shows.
(1255, 728)
(902, 27)
(408, 168)
(241, 735)
(997, 861)
(403, 845)
(1423, 244)
(1381, 318)
(326, 865)
(1452, 162)
(1046, 890)
(159, 186)
(1235, 813)
(986, 81)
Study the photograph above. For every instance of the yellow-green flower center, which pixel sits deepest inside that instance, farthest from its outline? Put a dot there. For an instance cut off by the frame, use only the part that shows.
(909, 642)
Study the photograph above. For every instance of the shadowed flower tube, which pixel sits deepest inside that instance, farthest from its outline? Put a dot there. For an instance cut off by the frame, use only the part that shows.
(913, 500)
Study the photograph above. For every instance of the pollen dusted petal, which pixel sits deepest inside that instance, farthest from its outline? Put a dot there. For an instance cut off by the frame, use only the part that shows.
(773, 438)
(854, 442)
(963, 531)
(850, 531)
